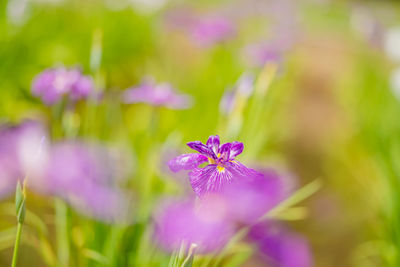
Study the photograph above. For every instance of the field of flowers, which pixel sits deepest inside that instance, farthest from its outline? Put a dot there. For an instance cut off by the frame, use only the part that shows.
(185, 133)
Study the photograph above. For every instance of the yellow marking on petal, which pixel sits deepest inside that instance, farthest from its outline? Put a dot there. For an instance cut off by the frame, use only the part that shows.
(220, 168)
(211, 161)
(219, 155)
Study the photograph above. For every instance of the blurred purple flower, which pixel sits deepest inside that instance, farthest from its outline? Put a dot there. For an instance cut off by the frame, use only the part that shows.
(202, 223)
(19, 154)
(243, 88)
(249, 199)
(211, 220)
(157, 95)
(207, 31)
(180, 18)
(221, 170)
(261, 53)
(204, 30)
(227, 103)
(282, 33)
(53, 84)
(81, 175)
(279, 247)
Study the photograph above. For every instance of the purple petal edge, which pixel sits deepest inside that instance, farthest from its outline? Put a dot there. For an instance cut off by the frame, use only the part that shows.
(202, 149)
(186, 162)
(236, 149)
(213, 142)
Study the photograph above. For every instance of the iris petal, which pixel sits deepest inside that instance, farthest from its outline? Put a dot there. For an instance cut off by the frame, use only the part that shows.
(202, 149)
(225, 151)
(186, 162)
(209, 179)
(236, 149)
(213, 143)
(239, 170)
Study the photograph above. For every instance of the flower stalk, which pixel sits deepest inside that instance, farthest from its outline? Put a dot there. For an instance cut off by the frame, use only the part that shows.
(20, 212)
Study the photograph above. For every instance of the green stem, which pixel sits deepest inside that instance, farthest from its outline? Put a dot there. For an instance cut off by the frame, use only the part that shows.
(62, 232)
(16, 245)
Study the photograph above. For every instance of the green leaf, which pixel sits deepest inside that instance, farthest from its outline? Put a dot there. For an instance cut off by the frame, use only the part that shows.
(188, 262)
(19, 197)
(298, 196)
(96, 256)
(21, 212)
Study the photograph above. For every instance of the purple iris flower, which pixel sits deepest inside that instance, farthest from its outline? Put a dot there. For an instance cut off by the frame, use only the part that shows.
(55, 83)
(222, 168)
(157, 95)
(280, 247)
(202, 223)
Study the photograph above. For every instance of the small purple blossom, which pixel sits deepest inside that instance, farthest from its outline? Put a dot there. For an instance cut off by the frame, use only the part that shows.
(243, 89)
(227, 103)
(157, 95)
(208, 31)
(202, 223)
(282, 34)
(278, 246)
(261, 53)
(204, 30)
(55, 83)
(222, 168)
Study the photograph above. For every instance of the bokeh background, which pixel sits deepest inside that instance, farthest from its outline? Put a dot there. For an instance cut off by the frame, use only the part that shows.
(332, 111)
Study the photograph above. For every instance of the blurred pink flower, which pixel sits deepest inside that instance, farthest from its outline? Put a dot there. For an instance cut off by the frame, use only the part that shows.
(209, 30)
(243, 88)
(248, 200)
(20, 154)
(279, 247)
(203, 223)
(203, 29)
(83, 176)
(210, 221)
(157, 95)
(259, 54)
(53, 84)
